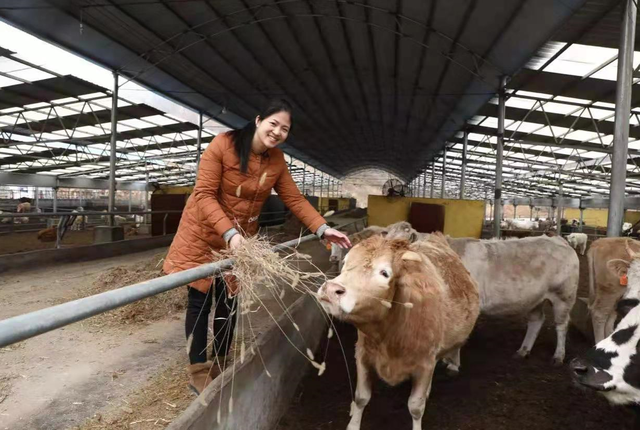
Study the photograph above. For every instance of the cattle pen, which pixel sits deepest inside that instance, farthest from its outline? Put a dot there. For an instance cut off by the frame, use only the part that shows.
(476, 143)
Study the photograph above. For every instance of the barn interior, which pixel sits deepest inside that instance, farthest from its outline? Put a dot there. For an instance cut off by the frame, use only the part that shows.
(456, 115)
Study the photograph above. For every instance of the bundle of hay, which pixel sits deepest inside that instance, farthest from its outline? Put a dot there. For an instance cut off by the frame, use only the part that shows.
(259, 273)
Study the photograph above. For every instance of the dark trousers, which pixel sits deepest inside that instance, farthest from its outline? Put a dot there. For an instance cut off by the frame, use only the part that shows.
(224, 321)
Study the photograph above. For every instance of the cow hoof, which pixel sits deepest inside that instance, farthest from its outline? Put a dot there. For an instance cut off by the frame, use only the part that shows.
(521, 355)
(557, 362)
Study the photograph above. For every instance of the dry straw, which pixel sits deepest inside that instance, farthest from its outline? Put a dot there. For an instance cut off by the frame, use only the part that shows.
(264, 277)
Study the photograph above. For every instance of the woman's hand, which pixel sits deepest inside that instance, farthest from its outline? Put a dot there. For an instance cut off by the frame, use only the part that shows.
(236, 241)
(334, 236)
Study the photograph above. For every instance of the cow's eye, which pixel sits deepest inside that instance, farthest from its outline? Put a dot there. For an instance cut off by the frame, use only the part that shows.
(384, 273)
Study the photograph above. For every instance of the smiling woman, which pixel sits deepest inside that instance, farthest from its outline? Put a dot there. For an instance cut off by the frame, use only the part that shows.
(237, 172)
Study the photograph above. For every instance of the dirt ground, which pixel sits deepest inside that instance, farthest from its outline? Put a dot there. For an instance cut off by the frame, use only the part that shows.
(494, 391)
(28, 241)
(96, 375)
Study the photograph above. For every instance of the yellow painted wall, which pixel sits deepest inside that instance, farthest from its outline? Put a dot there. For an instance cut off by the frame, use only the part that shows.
(323, 202)
(462, 218)
(598, 217)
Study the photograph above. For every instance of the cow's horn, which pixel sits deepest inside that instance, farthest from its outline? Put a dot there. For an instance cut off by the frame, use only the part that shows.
(411, 256)
(631, 253)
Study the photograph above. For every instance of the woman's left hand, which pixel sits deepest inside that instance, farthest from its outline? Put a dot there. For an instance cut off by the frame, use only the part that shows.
(334, 236)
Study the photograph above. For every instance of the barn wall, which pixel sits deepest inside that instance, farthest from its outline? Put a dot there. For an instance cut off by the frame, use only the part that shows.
(598, 217)
(343, 203)
(463, 218)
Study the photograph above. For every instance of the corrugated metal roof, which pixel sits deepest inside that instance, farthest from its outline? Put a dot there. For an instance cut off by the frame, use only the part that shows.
(378, 83)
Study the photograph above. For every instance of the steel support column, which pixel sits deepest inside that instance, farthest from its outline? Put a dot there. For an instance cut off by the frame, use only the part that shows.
(55, 199)
(444, 173)
(112, 153)
(304, 177)
(147, 207)
(560, 206)
(581, 217)
(463, 171)
(497, 215)
(199, 143)
(621, 125)
(433, 176)
(36, 198)
(313, 185)
(424, 184)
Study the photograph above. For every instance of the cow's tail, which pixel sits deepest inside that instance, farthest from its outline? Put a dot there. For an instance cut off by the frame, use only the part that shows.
(591, 258)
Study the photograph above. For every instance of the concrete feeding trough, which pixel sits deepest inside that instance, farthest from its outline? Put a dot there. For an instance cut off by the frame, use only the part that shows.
(259, 400)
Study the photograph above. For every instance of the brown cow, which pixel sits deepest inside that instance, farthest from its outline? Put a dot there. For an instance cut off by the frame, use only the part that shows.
(412, 303)
(605, 287)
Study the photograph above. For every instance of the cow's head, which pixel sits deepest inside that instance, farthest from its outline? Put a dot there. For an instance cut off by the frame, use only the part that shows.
(612, 367)
(402, 230)
(376, 276)
(628, 271)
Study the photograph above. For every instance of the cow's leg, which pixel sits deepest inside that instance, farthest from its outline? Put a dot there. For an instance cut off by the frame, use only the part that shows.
(452, 360)
(583, 249)
(534, 324)
(561, 311)
(363, 393)
(420, 393)
(599, 321)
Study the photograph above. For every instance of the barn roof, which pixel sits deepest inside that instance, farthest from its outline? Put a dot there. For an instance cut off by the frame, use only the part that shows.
(377, 83)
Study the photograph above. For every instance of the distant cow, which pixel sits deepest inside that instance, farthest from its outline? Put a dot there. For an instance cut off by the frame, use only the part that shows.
(413, 304)
(517, 276)
(627, 229)
(612, 367)
(24, 207)
(578, 241)
(605, 287)
(523, 224)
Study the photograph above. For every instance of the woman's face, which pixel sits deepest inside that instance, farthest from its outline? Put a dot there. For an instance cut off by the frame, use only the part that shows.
(274, 129)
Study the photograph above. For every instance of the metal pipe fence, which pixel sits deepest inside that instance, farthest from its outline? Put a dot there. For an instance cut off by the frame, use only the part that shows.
(32, 324)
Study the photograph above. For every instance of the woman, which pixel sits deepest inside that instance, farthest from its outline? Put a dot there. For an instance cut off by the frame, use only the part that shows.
(236, 174)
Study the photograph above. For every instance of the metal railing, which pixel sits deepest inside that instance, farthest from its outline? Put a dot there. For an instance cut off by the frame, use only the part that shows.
(32, 324)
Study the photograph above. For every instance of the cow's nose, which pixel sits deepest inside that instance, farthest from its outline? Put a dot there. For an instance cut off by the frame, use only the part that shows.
(335, 288)
(578, 367)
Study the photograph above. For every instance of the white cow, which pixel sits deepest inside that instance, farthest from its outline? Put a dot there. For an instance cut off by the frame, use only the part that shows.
(523, 224)
(516, 277)
(626, 228)
(578, 240)
(79, 221)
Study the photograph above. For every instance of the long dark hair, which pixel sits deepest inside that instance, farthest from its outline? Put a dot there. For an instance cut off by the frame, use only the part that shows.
(242, 138)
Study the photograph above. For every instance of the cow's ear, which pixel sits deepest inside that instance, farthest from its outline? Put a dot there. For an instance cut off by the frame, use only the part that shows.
(618, 267)
(411, 256)
(414, 237)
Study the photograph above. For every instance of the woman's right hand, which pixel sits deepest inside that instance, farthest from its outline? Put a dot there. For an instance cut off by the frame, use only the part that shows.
(236, 241)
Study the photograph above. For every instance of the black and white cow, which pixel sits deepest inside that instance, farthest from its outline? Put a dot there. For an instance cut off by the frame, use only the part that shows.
(612, 367)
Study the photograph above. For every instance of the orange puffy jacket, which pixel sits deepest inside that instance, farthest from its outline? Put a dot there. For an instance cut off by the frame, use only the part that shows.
(224, 198)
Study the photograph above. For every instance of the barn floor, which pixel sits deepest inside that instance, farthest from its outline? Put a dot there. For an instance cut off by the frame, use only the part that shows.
(493, 391)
